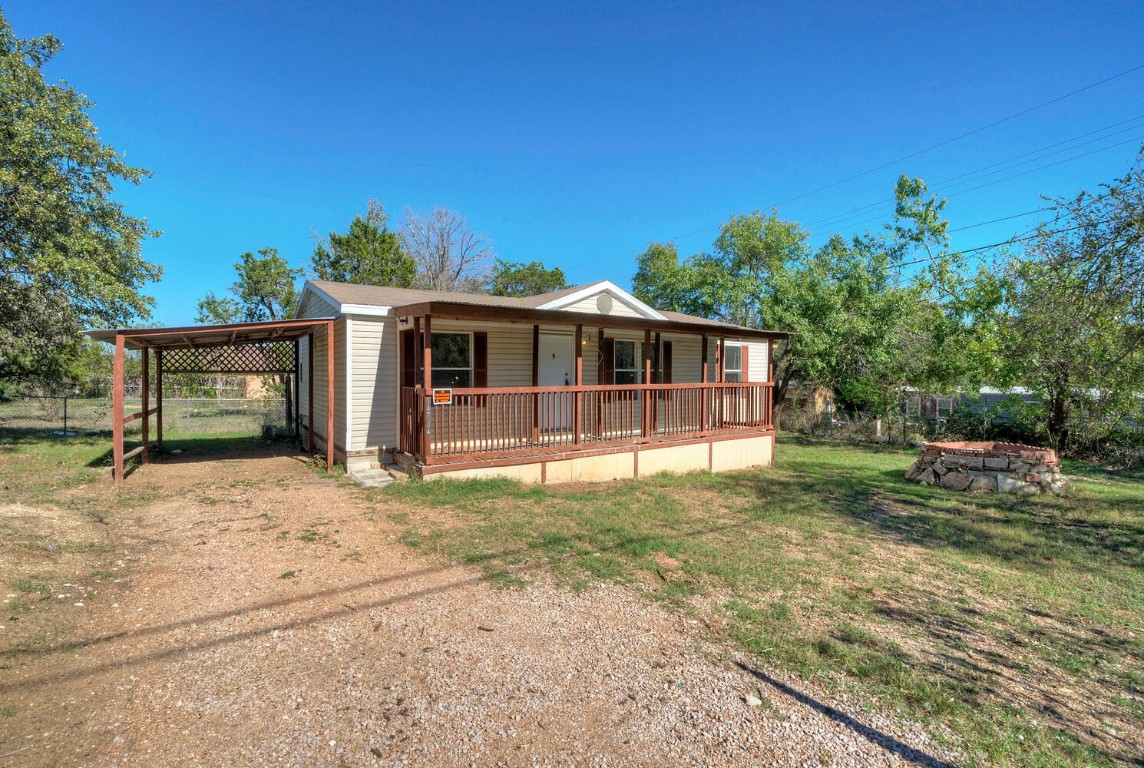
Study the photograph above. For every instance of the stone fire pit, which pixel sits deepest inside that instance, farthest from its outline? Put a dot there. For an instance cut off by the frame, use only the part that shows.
(987, 466)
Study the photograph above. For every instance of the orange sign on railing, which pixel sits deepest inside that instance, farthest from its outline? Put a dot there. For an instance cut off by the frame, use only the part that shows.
(442, 397)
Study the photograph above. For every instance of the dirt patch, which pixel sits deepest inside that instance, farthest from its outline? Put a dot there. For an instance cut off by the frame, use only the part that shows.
(269, 616)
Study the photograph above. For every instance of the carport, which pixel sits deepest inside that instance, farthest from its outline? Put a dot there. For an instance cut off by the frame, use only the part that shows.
(269, 348)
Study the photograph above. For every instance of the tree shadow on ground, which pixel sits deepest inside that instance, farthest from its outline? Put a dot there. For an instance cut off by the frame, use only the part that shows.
(873, 735)
(1021, 661)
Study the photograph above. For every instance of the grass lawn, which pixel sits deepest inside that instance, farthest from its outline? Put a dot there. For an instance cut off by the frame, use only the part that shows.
(1011, 625)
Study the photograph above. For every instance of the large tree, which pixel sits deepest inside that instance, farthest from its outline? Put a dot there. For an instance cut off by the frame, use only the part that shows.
(1068, 309)
(368, 253)
(69, 254)
(450, 256)
(511, 278)
(265, 290)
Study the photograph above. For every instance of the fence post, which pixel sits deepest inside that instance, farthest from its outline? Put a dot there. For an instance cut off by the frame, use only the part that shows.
(65, 415)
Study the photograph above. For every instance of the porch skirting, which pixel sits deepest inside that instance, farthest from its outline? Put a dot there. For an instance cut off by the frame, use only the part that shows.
(720, 453)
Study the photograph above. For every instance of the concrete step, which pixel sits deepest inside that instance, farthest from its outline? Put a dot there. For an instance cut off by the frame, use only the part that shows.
(371, 478)
(395, 471)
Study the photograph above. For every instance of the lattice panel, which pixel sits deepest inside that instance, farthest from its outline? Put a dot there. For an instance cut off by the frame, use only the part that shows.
(259, 357)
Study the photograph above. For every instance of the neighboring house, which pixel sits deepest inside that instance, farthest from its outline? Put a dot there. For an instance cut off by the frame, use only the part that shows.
(920, 405)
(587, 383)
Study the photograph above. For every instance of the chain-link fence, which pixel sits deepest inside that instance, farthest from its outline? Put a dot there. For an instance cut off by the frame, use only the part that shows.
(90, 415)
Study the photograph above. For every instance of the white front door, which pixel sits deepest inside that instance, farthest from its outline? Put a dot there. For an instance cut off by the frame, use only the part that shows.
(556, 368)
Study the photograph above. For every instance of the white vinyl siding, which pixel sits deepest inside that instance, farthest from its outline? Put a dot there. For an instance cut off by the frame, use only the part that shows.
(319, 351)
(589, 304)
(756, 361)
(374, 380)
(316, 306)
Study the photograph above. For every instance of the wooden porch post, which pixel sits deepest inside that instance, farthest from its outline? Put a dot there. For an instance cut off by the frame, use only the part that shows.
(770, 403)
(427, 356)
(417, 359)
(704, 375)
(535, 383)
(159, 397)
(577, 398)
(644, 399)
(145, 391)
(720, 375)
(330, 395)
(310, 382)
(117, 411)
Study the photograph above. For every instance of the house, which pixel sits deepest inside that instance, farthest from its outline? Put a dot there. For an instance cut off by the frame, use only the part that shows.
(587, 383)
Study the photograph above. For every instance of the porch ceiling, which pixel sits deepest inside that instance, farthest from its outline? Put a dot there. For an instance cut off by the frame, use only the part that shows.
(451, 310)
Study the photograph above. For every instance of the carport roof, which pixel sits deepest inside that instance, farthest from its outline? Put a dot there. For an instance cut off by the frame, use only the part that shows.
(194, 336)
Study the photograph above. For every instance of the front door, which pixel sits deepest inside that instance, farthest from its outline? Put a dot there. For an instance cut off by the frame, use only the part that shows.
(556, 368)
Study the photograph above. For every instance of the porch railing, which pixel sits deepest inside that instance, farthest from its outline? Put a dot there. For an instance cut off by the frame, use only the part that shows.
(489, 423)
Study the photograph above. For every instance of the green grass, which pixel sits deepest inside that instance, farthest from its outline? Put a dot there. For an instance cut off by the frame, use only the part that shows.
(968, 612)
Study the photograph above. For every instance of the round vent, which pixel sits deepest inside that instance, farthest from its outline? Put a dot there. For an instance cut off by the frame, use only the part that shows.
(604, 304)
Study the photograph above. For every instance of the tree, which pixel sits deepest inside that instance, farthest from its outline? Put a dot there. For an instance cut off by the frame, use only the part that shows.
(70, 254)
(519, 279)
(856, 327)
(449, 255)
(368, 253)
(1068, 311)
(263, 291)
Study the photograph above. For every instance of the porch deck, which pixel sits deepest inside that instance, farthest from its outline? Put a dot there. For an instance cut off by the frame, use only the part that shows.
(527, 423)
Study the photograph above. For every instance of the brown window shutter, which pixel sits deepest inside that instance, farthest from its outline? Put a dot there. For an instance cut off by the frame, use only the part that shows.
(667, 362)
(480, 359)
(743, 361)
(609, 362)
(408, 359)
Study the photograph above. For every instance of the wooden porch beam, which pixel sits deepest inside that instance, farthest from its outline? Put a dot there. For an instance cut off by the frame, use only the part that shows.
(493, 313)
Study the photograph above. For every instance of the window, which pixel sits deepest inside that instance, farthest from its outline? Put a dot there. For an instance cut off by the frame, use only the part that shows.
(452, 359)
(944, 407)
(629, 362)
(914, 406)
(733, 363)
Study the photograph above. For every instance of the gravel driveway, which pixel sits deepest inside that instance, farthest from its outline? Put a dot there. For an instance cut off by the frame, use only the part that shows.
(267, 616)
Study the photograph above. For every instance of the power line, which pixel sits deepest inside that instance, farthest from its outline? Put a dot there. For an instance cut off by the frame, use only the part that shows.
(967, 134)
(945, 183)
(1003, 218)
(883, 215)
(938, 145)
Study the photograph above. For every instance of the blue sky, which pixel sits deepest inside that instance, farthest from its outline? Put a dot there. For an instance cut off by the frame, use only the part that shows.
(578, 133)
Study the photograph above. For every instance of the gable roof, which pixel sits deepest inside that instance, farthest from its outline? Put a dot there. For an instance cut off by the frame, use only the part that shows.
(352, 298)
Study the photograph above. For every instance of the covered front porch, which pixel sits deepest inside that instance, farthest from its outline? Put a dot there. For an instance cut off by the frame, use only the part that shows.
(689, 389)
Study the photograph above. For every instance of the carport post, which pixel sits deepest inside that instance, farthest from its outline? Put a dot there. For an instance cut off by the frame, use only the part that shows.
(330, 395)
(310, 382)
(117, 411)
(145, 392)
(159, 397)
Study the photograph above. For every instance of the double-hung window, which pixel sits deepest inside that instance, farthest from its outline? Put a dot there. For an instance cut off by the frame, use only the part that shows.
(733, 362)
(452, 359)
(628, 362)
